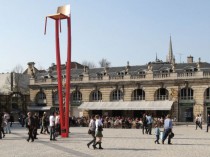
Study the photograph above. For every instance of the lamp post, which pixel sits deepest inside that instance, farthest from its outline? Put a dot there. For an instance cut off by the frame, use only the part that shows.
(63, 13)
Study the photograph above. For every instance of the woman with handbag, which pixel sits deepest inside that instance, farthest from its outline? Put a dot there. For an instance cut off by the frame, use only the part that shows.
(91, 131)
(99, 129)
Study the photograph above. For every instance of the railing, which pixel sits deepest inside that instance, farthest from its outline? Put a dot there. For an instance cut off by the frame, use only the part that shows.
(183, 75)
(138, 76)
(207, 97)
(162, 97)
(187, 74)
(186, 98)
(116, 77)
(96, 78)
(161, 75)
(138, 98)
(206, 74)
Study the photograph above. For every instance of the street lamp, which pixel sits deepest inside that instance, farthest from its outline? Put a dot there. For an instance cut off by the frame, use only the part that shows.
(63, 13)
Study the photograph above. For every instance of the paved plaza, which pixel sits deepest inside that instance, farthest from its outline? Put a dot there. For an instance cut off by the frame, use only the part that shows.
(187, 142)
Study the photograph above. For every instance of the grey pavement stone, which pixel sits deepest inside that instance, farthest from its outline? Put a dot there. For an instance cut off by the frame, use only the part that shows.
(187, 142)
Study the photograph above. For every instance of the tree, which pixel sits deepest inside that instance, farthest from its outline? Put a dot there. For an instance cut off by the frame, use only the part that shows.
(89, 64)
(104, 63)
(17, 81)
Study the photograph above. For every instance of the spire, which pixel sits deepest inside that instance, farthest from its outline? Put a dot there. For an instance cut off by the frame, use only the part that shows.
(170, 53)
(156, 57)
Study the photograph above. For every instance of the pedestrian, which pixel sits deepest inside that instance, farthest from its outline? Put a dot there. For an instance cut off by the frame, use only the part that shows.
(44, 124)
(157, 133)
(1, 126)
(99, 129)
(200, 119)
(36, 125)
(149, 124)
(144, 124)
(6, 119)
(11, 120)
(208, 122)
(197, 122)
(30, 126)
(167, 129)
(57, 124)
(92, 128)
(52, 126)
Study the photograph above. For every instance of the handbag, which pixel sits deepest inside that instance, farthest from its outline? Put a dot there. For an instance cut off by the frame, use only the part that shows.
(100, 128)
(171, 135)
(89, 131)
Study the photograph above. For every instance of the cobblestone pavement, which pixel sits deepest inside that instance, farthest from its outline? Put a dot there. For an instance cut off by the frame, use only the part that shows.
(187, 142)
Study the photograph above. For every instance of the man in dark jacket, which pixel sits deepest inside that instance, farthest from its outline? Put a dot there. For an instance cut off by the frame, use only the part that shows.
(30, 127)
(36, 125)
(144, 123)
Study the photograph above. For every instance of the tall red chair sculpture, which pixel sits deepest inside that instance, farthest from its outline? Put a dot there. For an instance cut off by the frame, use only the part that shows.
(63, 13)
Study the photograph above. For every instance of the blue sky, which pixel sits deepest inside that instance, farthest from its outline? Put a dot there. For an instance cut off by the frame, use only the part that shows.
(118, 30)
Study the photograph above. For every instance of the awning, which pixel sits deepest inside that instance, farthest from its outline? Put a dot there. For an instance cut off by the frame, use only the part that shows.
(39, 108)
(129, 105)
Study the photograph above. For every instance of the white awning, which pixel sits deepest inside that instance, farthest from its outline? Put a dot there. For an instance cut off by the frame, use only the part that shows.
(39, 108)
(129, 105)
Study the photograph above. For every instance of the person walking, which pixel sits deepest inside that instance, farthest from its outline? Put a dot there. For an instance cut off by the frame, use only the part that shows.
(36, 125)
(167, 129)
(144, 124)
(30, 127)
(157, 133)
(200, 119)
(149, 124)
(92, 128)
(197, 122)
(44, 124)
(1, 127)
(208, 122)
(99, 129)
(6, 118)
(57, 124)
(52, 126)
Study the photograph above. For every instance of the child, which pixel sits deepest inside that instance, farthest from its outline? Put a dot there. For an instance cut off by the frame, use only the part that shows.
(157, 133)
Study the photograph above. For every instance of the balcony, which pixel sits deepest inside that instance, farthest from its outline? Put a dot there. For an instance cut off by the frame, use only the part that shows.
(162, 97)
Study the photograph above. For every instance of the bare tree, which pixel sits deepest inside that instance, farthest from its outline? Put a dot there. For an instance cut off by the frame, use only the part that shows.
(17, 81)
(104, 63)
(89, 64)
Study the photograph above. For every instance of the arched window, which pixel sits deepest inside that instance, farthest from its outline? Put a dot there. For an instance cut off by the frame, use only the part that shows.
(186, 94)
(207, 94)
(41, 98)
(138, 94)
(96, 96)
(55, 98)
(16, 101)
(116, 95)
(161, 94)
(76, 96)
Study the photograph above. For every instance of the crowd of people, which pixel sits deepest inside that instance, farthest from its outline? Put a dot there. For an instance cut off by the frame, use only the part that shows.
(51, 125)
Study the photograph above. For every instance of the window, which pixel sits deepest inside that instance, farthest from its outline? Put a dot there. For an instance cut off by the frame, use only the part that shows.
(117, 95)
(186, 94)
(76, 96)
(207, 93)
(41, 98)
(138, 94)
(162, 94)
(96, 96)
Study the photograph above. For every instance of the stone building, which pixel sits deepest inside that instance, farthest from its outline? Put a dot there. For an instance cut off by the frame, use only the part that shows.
(182, 89)
(14, 93)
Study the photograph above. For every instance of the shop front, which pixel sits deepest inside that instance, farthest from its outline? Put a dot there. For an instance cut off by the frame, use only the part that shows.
(186, 112)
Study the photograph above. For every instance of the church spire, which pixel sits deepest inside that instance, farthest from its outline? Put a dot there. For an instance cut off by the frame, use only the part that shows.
(170, 53)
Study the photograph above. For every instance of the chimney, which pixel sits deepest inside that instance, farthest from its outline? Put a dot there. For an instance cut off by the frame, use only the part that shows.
(190, 59)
